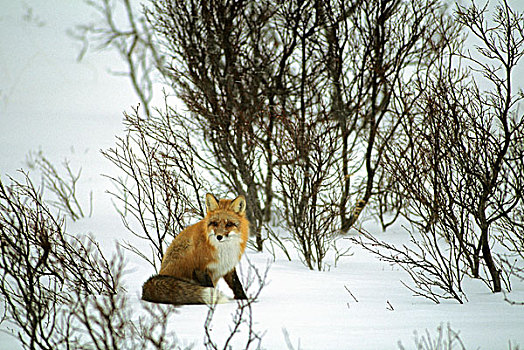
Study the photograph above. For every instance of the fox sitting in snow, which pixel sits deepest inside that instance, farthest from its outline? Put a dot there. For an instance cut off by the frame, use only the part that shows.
(201, 255)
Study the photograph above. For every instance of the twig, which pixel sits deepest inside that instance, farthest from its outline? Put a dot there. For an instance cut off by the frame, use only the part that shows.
(351, 293)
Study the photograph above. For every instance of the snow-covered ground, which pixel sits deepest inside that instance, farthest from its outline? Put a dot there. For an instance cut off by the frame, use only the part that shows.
(67, 109)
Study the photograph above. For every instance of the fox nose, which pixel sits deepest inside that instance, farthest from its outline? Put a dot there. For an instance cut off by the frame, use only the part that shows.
(222, 235)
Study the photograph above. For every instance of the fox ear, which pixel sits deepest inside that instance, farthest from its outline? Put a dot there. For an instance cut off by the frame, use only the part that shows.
(239, 205)
(211, 202)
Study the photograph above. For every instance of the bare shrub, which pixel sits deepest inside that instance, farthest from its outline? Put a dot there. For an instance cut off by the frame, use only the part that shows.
(239, 66)
(59, 290)
(351, 64)
(434, 267)
(62, 186)
(370, 69)
(445, 339)
(160, 189)
(460, 168)
(43, 267)
(224, 70)
(242, 320)
(306, 185)
(122, 27)
(110, 322)
(373, 51)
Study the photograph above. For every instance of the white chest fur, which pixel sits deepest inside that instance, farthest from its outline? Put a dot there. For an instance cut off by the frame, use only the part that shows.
(227, 256)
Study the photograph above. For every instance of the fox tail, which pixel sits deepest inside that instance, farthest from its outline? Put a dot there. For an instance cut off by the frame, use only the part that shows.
(166, 289)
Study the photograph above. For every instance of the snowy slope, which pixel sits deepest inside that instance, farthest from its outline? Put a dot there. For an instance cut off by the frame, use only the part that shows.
(71, 110)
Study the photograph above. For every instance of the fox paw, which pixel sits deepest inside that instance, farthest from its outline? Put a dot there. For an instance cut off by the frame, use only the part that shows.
(214, 296)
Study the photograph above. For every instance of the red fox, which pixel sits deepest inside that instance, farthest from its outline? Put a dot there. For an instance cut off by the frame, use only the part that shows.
(202, 254)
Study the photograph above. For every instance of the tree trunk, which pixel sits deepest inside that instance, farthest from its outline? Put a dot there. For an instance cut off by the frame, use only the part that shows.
(490, 262)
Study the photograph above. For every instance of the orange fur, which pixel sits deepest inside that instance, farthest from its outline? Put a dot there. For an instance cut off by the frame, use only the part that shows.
(211, 247)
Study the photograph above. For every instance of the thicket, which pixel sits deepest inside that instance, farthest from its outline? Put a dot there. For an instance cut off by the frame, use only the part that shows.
(460, 162)
(317, 111)
(59, 290)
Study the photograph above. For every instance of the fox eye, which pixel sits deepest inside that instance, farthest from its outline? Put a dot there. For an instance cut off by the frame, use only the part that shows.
(230, 224)
(213, 223)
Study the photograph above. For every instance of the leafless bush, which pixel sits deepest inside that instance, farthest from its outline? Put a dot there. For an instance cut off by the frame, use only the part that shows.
(374, 50)
(446, 339)
(238, 66)
(44, 268)
(461, 166)
(242, 318)
(243, 68)
(153, 156)
(225, 68)
(110, 322)
(236, 128)
(160, 189)
(121, 26)
(351, 62)
(435, 268)
(63, 186)
(59, 291)
(306, 185)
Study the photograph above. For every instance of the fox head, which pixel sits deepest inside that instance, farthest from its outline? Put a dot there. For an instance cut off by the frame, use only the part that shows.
(225, 218)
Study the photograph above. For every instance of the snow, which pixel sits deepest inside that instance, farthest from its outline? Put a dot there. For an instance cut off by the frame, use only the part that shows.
(316, 311)
(68, 109)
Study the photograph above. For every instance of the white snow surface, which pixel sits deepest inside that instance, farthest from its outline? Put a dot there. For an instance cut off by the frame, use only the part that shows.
(71, 110)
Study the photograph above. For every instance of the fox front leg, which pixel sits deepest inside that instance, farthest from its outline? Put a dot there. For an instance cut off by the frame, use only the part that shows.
(233, 282)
